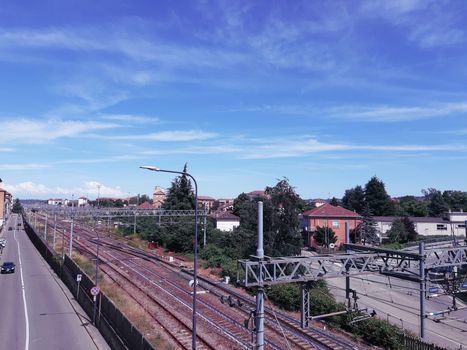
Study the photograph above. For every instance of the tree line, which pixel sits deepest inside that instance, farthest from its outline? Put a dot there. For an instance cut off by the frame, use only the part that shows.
(373, 197)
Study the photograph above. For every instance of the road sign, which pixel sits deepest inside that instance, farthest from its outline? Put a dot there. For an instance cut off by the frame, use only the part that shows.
(464, 285)
(332, 245)
(433, 290)
(78, 277)
(192, 282)
(95, 290)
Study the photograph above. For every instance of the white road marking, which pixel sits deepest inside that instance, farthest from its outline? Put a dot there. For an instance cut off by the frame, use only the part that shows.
(26, 346)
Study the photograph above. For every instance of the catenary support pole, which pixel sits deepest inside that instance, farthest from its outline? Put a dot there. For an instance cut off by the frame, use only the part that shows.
(304, 305)
(260, 292)
(204, 231)
(134, 225)
(45, 228)
(347, 278)
(71, 239)
(55, 230)
(421, 250)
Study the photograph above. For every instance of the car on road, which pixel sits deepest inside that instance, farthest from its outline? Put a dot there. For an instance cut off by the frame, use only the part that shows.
(8, 267)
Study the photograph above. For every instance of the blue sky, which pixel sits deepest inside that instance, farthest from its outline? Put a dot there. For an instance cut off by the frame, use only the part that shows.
(326, 94)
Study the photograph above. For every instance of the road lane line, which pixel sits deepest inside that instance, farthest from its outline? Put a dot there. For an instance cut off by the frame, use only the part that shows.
(26, 346)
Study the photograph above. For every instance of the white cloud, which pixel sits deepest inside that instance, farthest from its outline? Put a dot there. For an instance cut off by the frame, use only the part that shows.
(130, 118)
(372, 113)
(165, 136)
(24, 130)
(396, 114)
(24, 166)
(90, 189)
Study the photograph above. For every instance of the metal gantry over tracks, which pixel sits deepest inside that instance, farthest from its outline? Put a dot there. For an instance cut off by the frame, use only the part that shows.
(413, 266)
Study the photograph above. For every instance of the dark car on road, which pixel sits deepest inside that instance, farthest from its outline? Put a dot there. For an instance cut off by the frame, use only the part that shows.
(8, 267)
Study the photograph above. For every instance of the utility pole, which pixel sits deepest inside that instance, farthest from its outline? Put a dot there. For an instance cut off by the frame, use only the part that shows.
(421, 251)
(260, 293)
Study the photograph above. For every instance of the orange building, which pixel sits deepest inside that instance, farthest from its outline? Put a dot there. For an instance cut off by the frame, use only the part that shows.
(6, 204)
(330, 216)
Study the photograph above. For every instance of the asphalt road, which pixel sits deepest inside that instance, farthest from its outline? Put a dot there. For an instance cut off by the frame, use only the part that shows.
(42, 315)
(398, 301)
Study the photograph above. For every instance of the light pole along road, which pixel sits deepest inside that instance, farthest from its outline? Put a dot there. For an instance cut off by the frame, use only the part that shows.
(195, 259)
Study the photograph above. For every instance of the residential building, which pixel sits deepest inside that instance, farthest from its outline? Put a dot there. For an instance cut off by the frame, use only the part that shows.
(158, 197)
(330, 216)
(6, 204)
(257, 193)
(205, 202)
(452, 223)
(82, 201)
(56, 201)
(317, 202)
(226, 221)
(146, 205)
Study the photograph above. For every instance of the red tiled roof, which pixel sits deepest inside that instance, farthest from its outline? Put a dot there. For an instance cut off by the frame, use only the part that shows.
(259, 193)
(145, 205)
(225, 216)
(205, 198)
(328, 210)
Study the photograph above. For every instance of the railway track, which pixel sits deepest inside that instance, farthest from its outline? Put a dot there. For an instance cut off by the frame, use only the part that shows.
(230, 327)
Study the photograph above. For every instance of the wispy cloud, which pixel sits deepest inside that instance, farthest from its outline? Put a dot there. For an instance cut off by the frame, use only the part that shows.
(302, 148)
(23, 166)
(130, 118)
(396, 113)
(442, 30)
(366, 113)
(165, 136)
(22, 130)
(89, 188)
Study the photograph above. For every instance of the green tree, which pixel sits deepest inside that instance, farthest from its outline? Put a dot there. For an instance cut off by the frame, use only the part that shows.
(180, 195)
(436, 203)
(366, 231)
(334, 201)
(410, 229)
(377, 198)
(324, 236)
(354, 199)
(246, 210)
(411, 206)
(398, 233)
(456, 200)
(283, 235)
(17, 207)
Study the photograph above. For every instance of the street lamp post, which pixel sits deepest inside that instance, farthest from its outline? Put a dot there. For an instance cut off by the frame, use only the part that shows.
(195, 260)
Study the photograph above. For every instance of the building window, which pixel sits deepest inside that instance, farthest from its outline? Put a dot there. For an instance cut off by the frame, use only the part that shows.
(441, 227)
(335, 224)
(461, 226)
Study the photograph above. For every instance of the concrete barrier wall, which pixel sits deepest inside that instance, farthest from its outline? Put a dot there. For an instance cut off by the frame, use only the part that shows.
(116, 329)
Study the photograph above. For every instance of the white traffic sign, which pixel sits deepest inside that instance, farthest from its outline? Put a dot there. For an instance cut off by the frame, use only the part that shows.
(95, 290)
(78, 277)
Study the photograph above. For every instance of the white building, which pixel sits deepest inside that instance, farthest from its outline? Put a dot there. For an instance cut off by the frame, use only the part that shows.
(226, 221)
(82, 201)
(56, 201)
(450, 224)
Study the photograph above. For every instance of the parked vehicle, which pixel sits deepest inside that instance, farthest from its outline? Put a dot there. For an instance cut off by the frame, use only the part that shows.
(8, 267)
